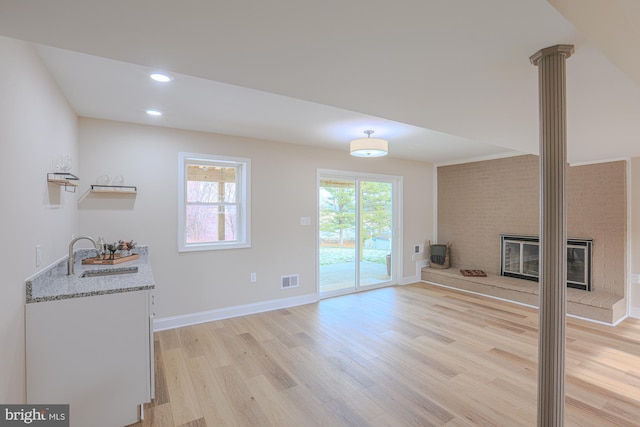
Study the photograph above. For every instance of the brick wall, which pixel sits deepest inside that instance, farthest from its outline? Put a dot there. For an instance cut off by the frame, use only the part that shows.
(479, 201)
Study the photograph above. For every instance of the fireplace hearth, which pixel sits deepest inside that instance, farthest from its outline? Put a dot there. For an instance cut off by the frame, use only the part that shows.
(520, 258)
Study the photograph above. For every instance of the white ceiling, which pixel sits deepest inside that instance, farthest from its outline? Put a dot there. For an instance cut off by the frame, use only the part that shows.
(443, 81)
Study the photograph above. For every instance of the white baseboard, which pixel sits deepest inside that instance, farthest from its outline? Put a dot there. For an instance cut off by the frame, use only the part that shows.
(409, 280)
(634, 312)
(172, 322)
(418, 277)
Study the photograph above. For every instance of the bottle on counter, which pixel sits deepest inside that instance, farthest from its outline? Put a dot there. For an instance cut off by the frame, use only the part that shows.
(101, 248)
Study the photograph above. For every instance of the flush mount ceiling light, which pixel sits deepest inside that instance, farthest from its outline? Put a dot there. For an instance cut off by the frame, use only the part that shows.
(154, 112)
(161, 77)
(369, 147)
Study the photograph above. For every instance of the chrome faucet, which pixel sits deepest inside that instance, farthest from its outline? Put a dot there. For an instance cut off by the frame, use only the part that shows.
(71, 260)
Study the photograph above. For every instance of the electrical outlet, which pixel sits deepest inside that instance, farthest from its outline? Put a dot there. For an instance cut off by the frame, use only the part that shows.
(305, 220)
(254, 277)
(38, 255)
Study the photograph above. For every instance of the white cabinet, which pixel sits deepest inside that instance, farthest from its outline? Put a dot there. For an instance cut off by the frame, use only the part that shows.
(94, 353)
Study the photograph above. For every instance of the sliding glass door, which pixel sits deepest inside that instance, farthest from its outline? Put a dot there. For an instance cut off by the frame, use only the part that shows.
(356, 231)
(338, 234)
(376, 232)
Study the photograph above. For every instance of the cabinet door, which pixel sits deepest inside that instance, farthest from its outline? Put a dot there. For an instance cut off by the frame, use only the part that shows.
(92, 353)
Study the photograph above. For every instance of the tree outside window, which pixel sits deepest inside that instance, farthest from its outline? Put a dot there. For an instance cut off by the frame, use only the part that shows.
(213, 203)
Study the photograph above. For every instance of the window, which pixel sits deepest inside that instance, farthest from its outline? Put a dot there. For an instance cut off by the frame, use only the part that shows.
(213, 199)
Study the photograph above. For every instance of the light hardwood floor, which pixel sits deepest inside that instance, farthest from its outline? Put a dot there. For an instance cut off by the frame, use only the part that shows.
(415, 355)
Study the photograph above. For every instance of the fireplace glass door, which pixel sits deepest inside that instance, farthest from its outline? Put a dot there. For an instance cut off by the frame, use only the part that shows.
(577, 265)
(521, 259)
(511, 257)
(530, 258)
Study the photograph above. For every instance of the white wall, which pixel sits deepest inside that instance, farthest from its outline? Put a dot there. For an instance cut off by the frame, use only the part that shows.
(36, 124)
(283, 190)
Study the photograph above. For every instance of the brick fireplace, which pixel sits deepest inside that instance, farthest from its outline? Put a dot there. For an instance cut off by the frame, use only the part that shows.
(479, 201)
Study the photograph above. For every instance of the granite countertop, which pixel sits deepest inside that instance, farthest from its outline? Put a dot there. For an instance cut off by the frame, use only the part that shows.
(53, 283)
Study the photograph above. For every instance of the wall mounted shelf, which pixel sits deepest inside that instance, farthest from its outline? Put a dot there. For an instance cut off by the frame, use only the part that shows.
(125, 189)
(66, 179)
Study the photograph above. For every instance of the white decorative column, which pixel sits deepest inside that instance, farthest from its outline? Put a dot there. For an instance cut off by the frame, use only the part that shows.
(553, 233)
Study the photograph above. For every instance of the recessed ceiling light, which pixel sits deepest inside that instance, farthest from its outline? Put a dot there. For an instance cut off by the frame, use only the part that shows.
(154, 112)
(161, 77)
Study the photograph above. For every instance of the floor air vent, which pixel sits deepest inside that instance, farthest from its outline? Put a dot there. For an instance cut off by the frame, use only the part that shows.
(287, 282)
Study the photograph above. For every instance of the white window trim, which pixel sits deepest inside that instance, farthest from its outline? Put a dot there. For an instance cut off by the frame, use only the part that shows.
(244, 214)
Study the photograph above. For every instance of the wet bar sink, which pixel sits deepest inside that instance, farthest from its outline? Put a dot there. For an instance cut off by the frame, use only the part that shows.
(109, 271)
